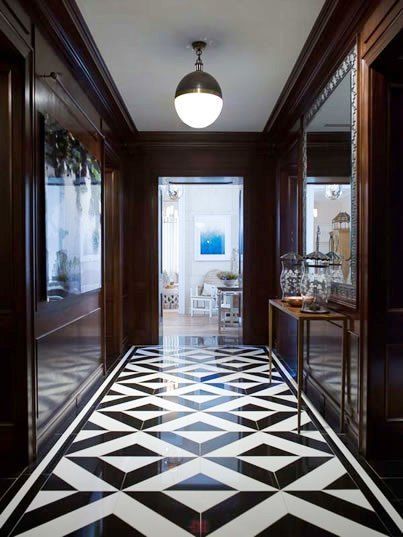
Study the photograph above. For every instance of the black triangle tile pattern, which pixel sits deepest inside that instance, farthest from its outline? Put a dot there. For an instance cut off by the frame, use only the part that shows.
(197, 441)
(109, 525)
(291, 525)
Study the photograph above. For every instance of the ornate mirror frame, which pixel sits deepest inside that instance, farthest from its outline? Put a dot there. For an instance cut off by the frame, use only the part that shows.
(342, 293)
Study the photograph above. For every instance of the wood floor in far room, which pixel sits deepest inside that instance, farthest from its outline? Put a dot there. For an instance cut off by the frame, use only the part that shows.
(198, 325)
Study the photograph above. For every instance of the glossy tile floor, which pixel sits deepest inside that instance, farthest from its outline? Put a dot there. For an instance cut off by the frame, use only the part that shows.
(196, 441)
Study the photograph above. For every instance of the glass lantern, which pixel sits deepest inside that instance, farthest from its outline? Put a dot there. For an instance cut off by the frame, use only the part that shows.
(335, 271)
(291, 274)
(315, 283)
(341, 221)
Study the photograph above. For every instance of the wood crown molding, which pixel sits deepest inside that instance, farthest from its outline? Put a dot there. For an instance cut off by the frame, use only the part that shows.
(65, 26)
(331, 37)
(160, 140)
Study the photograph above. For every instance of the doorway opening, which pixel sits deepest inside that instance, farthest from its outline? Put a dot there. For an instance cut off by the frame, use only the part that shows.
(201, 257)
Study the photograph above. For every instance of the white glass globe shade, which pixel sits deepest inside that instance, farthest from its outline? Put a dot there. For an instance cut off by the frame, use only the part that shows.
(197, 109)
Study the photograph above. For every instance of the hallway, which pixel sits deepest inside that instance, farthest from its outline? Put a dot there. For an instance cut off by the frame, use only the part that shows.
(187, 440)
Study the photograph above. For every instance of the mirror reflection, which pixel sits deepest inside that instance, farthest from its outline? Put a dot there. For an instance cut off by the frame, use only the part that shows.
(329, 179)
(328, 224)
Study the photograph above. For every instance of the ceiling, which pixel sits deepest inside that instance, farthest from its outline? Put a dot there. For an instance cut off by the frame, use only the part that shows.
(335, 113)
(252, 48)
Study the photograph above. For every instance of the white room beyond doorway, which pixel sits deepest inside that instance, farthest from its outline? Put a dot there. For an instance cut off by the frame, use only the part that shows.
(201, 256)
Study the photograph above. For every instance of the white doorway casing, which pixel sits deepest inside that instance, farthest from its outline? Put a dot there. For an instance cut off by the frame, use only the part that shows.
(182, 258)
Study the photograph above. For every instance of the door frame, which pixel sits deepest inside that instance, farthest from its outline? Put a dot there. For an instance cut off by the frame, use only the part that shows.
(240, 230)
(154, 261)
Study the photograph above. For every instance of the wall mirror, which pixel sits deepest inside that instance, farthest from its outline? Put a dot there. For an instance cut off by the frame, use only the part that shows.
(330, 179)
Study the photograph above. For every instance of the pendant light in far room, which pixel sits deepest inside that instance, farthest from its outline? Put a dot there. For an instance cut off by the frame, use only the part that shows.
(198, 97)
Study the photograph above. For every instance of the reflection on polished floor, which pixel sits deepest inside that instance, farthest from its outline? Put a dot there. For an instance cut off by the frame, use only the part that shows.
(194, 440)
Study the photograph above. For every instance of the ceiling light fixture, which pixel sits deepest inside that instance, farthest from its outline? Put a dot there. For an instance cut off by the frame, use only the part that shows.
(198, 97)
(333, 192)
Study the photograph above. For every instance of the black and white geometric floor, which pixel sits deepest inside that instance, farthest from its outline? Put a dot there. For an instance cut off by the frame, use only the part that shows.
(196, 441)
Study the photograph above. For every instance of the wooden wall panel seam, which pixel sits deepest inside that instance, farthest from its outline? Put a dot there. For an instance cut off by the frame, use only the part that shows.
(64, 325)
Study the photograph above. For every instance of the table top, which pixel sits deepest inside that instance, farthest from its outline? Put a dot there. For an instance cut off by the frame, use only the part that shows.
(296, 312)
(228, 289)
(170, 291)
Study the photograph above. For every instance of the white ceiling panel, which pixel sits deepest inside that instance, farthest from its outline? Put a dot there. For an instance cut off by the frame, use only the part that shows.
(252, 47)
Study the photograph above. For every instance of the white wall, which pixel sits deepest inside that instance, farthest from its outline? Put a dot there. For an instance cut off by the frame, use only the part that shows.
(203, 200)
(327, 210)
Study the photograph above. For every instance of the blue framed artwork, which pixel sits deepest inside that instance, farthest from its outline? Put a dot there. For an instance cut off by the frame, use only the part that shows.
(212, 237)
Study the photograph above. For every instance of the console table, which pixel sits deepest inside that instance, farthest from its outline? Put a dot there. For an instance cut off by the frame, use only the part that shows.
(301, 317)
(231, 292)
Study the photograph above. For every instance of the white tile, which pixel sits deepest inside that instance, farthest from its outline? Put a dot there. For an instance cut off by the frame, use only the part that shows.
(169, 478)
(203, 417)
(354, 496)
(74, 520)
(79, 478)
(146, 414)
(255, 520)
(200, 399)
(128, 464)
(200, 436)
(320, 477)
(84, 435)
(110, 424)
(240, 446)
(325, 519)
(150, 442)
(232, 478)
(145, 520)
(270, 463)
(253, 415)
(45, 497)
(288, 424)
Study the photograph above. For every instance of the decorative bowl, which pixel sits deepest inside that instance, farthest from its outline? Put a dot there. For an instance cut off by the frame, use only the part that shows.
(294, 301)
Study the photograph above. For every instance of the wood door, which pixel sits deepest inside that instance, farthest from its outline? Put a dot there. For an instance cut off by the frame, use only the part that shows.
(385, 282)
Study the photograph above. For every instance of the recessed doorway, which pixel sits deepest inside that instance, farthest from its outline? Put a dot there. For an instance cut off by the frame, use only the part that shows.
(200, 256)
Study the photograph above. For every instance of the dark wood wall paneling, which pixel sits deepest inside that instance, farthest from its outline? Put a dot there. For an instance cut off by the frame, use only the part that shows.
(374, 413)
(16, 267)
(328, 154)
(15, 336)
(287, 240)
(116, 337)
(202, 154)
(53, 352)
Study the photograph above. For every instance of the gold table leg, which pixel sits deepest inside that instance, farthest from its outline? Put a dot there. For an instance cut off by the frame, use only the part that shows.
(343, 374)
(219, 298)
(270, 340)
(300, 369)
